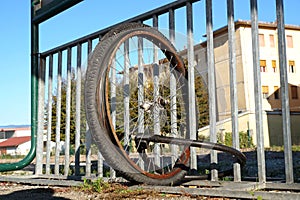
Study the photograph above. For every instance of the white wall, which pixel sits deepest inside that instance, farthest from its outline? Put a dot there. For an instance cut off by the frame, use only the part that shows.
(23, 149)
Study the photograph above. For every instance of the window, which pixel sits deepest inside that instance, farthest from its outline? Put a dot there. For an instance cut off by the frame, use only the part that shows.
(263, 66)
(292, 66)
(196, 59)
(265, 91)
(276, 92)
(289, 40)
(294, 91)
(274, 65)
(2, 135)
(272, 41)
(261, 40)
(6, 134)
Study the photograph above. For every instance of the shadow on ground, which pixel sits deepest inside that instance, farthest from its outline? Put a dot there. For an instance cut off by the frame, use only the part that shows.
(38, 193)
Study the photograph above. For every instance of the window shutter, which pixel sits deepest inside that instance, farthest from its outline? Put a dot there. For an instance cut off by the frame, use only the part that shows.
(265, 89)
(291, 63)
(262, 63)
(274, 63)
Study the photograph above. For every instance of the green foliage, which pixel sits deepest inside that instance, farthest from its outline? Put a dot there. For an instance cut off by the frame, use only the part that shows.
(116, 190)
(201, 92)
(97, 185)
(259, 198)
(202, 102)
(281, 148)
(245, 141)
(8, 156)
(86, 185)
(203, 137)
(226, 178)
(228, 139)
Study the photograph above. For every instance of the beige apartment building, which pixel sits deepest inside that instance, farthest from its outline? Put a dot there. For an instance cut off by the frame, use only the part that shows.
(270, 79)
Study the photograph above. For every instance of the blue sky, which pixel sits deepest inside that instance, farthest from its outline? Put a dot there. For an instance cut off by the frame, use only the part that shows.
(87, 17)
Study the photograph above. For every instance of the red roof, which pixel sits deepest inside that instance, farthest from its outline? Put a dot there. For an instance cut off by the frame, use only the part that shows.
(15, 141)
(15, 128)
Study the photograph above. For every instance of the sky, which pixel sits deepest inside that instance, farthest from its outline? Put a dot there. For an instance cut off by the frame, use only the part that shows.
(85, 18)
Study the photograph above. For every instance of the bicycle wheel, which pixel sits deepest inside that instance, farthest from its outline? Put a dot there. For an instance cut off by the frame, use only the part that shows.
(136, 86)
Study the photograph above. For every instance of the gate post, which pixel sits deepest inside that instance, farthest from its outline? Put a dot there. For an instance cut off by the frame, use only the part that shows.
(286, 125)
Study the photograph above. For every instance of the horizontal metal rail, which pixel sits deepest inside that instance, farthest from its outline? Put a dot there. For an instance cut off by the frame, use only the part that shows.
(145, 16)
(51, 9)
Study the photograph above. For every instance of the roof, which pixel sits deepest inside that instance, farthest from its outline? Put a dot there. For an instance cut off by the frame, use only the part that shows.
(244, 23)
(14, 128)
(261, 25)
(15, 141)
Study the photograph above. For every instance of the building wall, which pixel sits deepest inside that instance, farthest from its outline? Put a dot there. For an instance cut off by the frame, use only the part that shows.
(245, 80)
(270, 78)
(20, 132)
(23, 149)
(246, 122)
(10, 150)
(275, 127)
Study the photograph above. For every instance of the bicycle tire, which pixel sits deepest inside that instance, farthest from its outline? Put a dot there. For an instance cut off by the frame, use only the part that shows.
(97, 108)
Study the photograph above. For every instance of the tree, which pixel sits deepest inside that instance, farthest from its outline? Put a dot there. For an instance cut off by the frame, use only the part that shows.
(201, 92)
(202, 102)
(63, 111)
(164, 88)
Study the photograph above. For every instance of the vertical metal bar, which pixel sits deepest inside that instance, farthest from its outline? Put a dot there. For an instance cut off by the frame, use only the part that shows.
(257, 94)
(286, 125)
(155, 21)
(100, 164)
(68, 112)
(173, 91)
(34, 95)
(78, 110)
(211, 86)
(88, 137)
(40, 144)
(233, 86)
(172, 25)
(157, 151)
(58, 115)
(141, 113)
(88, 162)
(113, 173)
(49, 117)
(156, 120)
(126, 93)
(113, 107)
(191, 81)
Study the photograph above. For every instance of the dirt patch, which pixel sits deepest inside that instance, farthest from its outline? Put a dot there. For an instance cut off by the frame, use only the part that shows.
(13, 191)
(274, 170)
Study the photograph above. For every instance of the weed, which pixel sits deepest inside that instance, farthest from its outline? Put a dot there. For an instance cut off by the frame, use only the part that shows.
(245, 141)
(94, 186)
(259, 198)
(281, 148)
(99, 185)
(226, 178)
(86, 185)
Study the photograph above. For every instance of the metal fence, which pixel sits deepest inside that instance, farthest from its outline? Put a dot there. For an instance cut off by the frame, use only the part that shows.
(61, 76)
